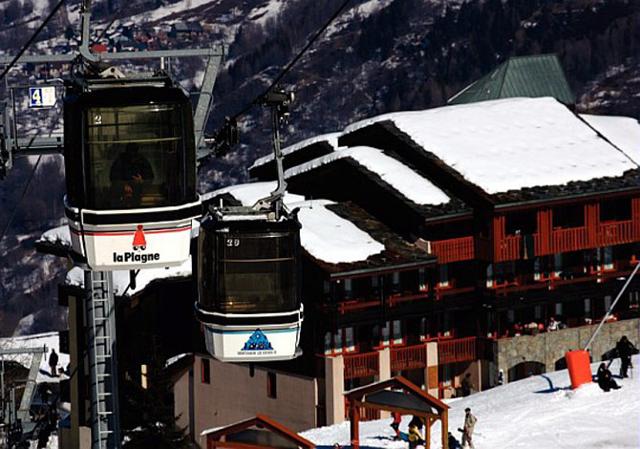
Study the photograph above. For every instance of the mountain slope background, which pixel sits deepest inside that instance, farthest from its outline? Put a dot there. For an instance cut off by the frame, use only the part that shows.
(379, 56)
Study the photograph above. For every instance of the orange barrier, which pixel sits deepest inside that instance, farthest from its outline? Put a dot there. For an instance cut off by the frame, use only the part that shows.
(579, 367)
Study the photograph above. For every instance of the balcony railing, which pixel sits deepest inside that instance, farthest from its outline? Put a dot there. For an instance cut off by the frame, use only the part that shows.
(616, 233)
(453, 250)
(457, 350)
(361, 365)
(411, 357)
(508, 248)
(366, 414)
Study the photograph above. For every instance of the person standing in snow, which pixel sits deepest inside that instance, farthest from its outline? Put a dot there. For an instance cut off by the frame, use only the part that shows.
(605, 379)
(53, 363)
(467, 385)
(625, 350)
(395, 424)
(415, 437)
(467, 429)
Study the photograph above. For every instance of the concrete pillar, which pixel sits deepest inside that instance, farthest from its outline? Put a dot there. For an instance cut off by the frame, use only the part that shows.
(385, 372)
(334, 385)
(431, 370)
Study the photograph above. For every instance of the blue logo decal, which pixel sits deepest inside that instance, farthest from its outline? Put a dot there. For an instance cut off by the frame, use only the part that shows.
(258, 342)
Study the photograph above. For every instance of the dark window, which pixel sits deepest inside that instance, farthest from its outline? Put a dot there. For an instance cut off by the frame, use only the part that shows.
(568, 216)
(135, 156)
(272, 389)
(254, 273)
(205, 371)
(617, 209)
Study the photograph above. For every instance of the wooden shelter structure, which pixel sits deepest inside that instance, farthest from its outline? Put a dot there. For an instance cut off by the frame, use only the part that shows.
(260, 432)
(398, 395)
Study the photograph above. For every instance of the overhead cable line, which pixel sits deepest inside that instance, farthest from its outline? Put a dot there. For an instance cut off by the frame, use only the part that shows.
(232, 121)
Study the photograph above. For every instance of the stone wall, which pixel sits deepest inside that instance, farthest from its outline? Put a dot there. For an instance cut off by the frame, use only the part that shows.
(549, 347)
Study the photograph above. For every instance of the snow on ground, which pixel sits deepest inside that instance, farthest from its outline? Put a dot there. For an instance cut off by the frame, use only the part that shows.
(50, 339)
(164, 11)
(59, 235)
(623, 132)
(270, 10)
(395, 173)
(331, 238)
(331, 139)
(248, 194)
(121, 279)
(513, 143)
(540, 412)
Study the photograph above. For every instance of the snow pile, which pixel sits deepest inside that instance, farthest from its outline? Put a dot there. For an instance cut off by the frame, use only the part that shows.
(248, 194)
(395, 173)
(540, 412)
(331, 238)
(50, 339)
(331, 139)
(511, 144)
(121, 279)
(623, 132)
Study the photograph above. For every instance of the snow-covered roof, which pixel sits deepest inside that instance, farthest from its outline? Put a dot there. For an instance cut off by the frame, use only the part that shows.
(75, 277)
(49, 339)
(248, 194)
(331, 139)
(59, 235)
(409, 183)
(623, 132)
(331, 238)
(511, 144)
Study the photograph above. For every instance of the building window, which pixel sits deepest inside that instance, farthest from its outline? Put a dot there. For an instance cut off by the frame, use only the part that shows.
(397, 332)
(349, 340)
(558, 309)
(489, 275)
(328, 347)
(608, 257)
(557, 265)
(205, 371)
(537, 312)
(272, 389)
(423, 329)
(587, 305)
(634, 300)
(337, 341)
(607, 303)
(384, 337)
(348, 288)
(444, 275)
(422, 280)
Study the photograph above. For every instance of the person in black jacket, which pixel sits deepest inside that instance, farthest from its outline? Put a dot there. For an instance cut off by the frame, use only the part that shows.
(605, 379)
(625, 350)
(53, 363)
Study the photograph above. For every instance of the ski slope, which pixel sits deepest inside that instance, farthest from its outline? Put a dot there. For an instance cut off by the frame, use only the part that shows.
(540, 412)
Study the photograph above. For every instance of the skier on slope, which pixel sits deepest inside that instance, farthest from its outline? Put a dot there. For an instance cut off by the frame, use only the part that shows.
(605, 379)
(467, 429)
(625, 350)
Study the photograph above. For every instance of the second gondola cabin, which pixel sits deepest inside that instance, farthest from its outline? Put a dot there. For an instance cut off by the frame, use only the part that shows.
(130, 173)
(249, 286)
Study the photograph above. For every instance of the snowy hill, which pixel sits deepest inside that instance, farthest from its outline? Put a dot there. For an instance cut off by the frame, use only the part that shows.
(540, 412)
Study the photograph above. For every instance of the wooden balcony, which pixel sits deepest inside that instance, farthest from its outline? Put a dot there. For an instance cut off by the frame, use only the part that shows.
(616, 233)
(457, 350)
(507, 248)
(361, 365)
(410, 357)
(453, 250)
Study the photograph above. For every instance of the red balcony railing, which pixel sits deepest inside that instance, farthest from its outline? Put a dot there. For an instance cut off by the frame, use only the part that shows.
(457, 350)
(361, 365)
(411, 357)
(366, 414)
(508, 248)
(453, 250)
(616, 233)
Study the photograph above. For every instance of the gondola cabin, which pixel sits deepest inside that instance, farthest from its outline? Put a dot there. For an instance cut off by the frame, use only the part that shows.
(130, 174)
(249, 287)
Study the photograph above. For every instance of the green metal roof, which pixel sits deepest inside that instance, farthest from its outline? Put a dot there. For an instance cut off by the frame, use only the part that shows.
(524, 76)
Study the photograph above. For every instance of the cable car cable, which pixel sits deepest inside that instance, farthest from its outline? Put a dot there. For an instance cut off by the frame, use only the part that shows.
(284, 71)
(24, 193)
(32, 38)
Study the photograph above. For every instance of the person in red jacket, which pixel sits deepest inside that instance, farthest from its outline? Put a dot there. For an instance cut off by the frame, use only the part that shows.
(395, 424)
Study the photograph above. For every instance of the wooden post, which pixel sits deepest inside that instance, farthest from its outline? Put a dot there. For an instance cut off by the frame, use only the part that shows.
(444, 418)
(427, 433)
(354, 420)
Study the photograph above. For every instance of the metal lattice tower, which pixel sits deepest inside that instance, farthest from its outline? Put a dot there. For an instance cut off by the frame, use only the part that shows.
(101, 329)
